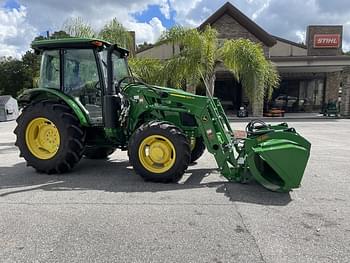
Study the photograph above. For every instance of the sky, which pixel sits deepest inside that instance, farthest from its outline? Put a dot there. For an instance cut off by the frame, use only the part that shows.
(22, 20)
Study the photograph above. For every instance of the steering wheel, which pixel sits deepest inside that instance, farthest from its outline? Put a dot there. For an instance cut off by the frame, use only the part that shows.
(122, 79)
(255, 125)
(96, 84)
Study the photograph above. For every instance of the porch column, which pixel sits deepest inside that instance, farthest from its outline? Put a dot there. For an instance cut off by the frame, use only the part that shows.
(345, 99)
(332, 86)
(257, 108)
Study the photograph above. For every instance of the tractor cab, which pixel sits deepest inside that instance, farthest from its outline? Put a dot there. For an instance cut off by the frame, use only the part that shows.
(84, 69)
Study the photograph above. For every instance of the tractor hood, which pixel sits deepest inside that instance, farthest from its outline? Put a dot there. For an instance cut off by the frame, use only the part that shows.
(177, 92)
(162, 91)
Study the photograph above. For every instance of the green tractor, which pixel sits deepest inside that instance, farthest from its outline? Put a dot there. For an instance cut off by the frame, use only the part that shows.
(89, 104)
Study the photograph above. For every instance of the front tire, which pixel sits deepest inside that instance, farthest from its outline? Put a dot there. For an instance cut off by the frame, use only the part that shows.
(159, 152)
(50, 137)
(198, 149)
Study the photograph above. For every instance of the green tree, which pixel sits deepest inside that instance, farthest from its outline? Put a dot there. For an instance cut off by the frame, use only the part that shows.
(144, 46)
(78, 27)
(13, 76)
(114, 32)
(17, 75)
(60, 34)
(247, 62)
(31, 65)
(38, 38)
(201, 52)
(55, 35)
(197, 58)
(149, 70)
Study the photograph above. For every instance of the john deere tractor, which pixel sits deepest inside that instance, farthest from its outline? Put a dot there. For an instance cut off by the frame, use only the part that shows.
(89, 104)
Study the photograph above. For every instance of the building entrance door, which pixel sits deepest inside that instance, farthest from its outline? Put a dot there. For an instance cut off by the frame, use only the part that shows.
(229, 91)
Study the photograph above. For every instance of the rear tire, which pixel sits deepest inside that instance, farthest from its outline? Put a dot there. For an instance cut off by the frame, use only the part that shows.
(98, 152)
(159, 152)
(37, 145)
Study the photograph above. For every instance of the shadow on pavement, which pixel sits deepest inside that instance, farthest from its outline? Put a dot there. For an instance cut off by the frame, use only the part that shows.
(118, 176)
(253, 193)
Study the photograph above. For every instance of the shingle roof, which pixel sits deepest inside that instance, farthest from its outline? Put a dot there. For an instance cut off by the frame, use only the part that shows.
(242, 19)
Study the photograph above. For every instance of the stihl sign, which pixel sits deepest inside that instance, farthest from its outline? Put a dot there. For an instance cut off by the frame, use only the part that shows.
(326, 41)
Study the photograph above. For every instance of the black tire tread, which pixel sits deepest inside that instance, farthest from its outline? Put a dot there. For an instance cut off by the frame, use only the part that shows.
(75, 141)
(175, 132)
(198, 149)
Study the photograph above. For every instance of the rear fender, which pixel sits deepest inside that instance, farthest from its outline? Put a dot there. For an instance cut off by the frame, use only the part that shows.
(37, 94)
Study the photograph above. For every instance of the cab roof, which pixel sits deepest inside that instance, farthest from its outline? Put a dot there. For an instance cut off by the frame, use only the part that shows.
(72, 42)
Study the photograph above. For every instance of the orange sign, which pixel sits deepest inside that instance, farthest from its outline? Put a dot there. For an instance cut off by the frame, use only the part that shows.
(326, 41)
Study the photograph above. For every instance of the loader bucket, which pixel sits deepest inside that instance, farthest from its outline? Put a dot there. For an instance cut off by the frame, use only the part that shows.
(278, 163)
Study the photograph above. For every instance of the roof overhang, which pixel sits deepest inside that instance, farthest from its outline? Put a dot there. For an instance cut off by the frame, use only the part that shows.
(290, 42)
(311, 63)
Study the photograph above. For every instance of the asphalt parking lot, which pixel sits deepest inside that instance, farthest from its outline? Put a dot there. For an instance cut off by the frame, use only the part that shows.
(103, 212)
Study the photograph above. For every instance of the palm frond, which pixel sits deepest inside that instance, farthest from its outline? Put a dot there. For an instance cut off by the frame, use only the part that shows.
(149, 70)
(197, 55)
(246, 60)
(77, 27)
(115, 33)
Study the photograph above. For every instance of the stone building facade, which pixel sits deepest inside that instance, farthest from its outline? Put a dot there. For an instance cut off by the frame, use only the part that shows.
(311, 75)
(333, 82)
(229, 28)
(345, 105)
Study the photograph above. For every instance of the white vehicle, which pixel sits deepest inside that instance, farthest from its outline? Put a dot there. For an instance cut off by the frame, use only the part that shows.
(285, 101)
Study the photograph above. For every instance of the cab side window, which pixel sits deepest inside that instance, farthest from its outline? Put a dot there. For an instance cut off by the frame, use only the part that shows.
(80, 72)
(50, 70)
(81, 80)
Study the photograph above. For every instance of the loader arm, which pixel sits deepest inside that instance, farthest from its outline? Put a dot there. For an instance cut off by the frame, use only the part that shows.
(266, 154)
(275, 155)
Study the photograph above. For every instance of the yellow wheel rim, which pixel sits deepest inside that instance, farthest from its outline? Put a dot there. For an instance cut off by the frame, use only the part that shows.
(193, 143)
(157, 154)
(42, 138)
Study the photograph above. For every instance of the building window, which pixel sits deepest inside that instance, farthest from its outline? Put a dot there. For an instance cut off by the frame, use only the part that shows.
(311, 94)
(299, 95)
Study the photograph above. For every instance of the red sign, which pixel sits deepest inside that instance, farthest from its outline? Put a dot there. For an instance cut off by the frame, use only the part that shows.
(326, 41)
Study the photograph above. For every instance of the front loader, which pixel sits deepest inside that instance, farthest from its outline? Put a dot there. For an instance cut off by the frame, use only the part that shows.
(89, 104)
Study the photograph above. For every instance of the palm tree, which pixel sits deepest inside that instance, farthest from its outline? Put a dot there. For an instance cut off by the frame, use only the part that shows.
(115, 33)
(149, 70)
(196, 59)
(247, 62)
(200, 53)
(78, 27)
(112, 31)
